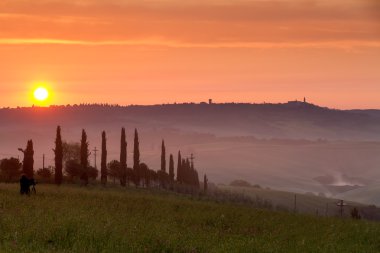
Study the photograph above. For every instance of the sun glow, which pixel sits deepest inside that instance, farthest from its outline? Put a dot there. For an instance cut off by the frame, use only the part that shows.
(41, 94)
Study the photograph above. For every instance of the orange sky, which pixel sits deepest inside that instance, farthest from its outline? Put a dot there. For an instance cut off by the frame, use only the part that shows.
(160, 51)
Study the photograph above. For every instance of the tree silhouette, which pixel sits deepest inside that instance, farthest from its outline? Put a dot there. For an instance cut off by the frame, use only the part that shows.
(163, 157)
(136, 158)
(130, 175)
(195, 178)
(28, 162)
(92, 172)
(171, 168)
(205, 183)
(355, 214)
(10, 169)
(84, 154)
(103, 168)
(73, 169)
(186, 173)
(114, 170)
(123, 158)
(144, 174)
(71, 159)
(58, 157)
(179, 168)
(163, 178)
(44, 173)
(185, 167)
(71, 151)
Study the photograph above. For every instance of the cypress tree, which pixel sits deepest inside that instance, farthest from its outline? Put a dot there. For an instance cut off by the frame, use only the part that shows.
(103, 168)
(58, 159)
(188, 177)
(28, 162)
(171, 168)
(179, 169)
(183, 171)
(205, 183)
(136, 158)
(196, 179)
(123, 158)
(84, 154)
(163, 157)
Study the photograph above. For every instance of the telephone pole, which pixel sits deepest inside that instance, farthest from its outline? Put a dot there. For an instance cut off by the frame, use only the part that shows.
(95, 150)
(43, 161)
(341, 204)
(192, 160)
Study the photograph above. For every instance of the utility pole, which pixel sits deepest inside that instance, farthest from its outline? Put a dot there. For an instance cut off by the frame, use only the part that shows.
(192, 160)
(341, 204)
(95, 150)
(43, 161)
(295, 203)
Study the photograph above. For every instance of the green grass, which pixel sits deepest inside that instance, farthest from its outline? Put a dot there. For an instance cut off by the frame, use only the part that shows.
(96, 219)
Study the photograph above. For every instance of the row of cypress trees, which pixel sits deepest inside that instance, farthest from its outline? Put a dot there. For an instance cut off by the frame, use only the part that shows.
(84, 155)
(186, 173)
(123, 159)
(58, 157)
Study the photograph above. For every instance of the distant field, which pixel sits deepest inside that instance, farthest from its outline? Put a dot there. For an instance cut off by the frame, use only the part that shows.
(305, 203)
(96, 219)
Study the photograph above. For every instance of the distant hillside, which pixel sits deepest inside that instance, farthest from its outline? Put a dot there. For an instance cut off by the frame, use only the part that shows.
(293, 120)
(283, 146)
(369, 194)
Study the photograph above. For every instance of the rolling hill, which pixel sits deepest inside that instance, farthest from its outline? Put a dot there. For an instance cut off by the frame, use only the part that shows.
(287, 146)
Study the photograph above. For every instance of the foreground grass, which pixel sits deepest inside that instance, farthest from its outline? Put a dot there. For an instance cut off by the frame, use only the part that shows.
(96, 219)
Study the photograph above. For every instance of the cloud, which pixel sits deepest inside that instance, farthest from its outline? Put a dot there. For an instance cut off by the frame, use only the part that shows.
(192, 22)
(195, 10)
(177, 44)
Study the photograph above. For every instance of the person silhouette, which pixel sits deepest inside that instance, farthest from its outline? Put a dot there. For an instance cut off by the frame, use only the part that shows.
(33, 183)
(24, 185)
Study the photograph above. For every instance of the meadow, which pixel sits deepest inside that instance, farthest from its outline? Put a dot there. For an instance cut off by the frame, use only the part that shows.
(114, 219)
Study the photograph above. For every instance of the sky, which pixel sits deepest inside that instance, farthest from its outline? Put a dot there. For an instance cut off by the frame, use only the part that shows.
(166, 51)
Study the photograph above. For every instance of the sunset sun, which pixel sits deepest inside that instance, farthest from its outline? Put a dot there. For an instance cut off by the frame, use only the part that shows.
(41, 94)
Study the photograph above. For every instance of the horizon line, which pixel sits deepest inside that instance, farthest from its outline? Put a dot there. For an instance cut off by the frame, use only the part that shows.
(180, 103)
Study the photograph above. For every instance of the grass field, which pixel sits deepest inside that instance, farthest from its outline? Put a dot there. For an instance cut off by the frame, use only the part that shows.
(97, 219)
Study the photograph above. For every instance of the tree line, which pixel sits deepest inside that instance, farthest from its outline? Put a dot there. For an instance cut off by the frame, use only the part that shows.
(71, 162)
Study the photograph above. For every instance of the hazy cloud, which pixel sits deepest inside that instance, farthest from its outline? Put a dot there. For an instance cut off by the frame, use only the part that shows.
(193, 22)
(177, 44)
